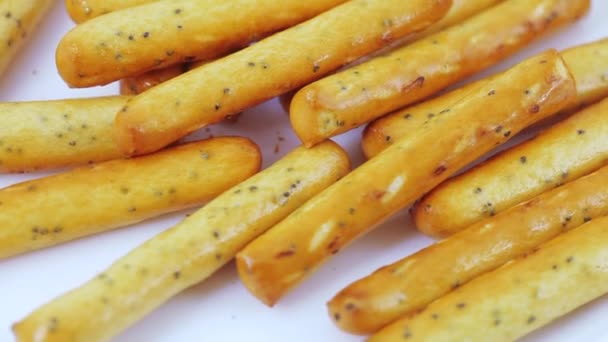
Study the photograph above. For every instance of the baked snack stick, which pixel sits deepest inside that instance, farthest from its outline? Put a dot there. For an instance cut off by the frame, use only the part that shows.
(187, 253)
(524, 295)
(353, 97)
(55, 209)
(564, 152)
(18, 20)
(412, 283)
(460, 10)
(280, 259)
(49, 134)
(83, 10)
(138, 84)
(166, 32)
(275, 65)
(587, 63)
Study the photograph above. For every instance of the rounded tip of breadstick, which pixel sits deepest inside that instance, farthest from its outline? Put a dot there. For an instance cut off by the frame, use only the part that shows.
(374, 140)
(305, 118)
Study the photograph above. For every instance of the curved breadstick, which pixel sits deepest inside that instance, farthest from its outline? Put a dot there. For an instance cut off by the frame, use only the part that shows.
(18, 20)
(275, 65)
(412, 283)
(587, 63)
(50, 134)
(520, 297)
(358, 95)
(166, 32)
(83, 10)
(52, 210)
(293, 249)
(570, 149)
(187, 253)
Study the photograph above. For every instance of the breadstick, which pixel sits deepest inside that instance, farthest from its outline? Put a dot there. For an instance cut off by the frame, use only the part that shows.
(83, 10)
(49, 134)
(138, 84)
(294, 248)
(275, 65)
(412, 283)
(587, 63)
(89, 200)
(187, 253)
(570, 149)
(166, 32)
(18, 20)
(520, 297)
(358, 95)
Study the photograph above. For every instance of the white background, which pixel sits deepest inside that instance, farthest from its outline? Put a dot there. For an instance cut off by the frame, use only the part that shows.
(220, 309)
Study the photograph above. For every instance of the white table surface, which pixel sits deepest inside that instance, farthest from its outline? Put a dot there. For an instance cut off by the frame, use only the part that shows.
(220, 309)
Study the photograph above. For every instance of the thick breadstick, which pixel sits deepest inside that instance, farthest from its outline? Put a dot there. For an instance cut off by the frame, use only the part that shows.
(522, 296)
(187, 253)
(410, 284)
(294, 248)
(83, 10)
(18, 20)
(166, 32)
(50, 134)
(587, 63)
(275, 65)
(358, 95)
(570, 149)
(85, 201)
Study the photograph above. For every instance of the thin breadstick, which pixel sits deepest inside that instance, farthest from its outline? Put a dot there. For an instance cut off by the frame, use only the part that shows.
(83, 10)
(587, 63)
(52, 210)
(18, 20)
(358, 95)
(412, 283)
(166, 32)
(50, 134)
(569, 150)
(187, 253)
(275, 65)
(520, 297)
(280, 259)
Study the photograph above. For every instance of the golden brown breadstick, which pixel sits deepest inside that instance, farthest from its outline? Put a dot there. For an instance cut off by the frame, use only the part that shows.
(187, 253)
(83, 10)
(18, 20)
(166, 32)
(313, 49)
(587, 63)
(520, 297)
(49, 134)
(358, 95)
(85, 201)
(410, 284)
(570, 149)
(285, 255)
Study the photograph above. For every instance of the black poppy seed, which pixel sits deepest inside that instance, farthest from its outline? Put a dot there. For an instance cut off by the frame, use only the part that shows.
(251, 64)
(216, 234)
(580, 132)
(570, 259)
(478, 190)
(586, 219)
(146, 34)
(132, 209)
(227, 91)
(461, 305)
(131, 37)
(507, 134)
(7, 15)
(430, 115)
(527, 92)
(217, 106)
(218, 256)
(350, 306)
(72, 143)
(496, 322)
(445, 111)
(435, 316)
(491, 92)
(531, 319)
(176, 274)
(179, 27)
(523, 159)
(554, 267)
(315, 67)
(407, 116)
(178, 11)
(337, 316)
(118, 56)
(351, 211)
(387, 138)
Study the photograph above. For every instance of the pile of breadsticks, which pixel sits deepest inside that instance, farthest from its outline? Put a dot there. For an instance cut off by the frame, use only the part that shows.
(523, 235)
